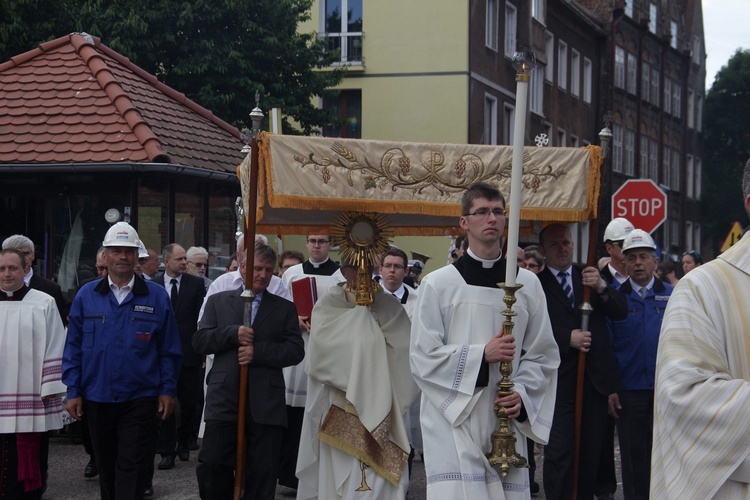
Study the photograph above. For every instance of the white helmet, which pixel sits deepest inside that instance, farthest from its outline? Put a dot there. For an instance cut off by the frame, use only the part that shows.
(617, 229)
(638, 238)
(121, 234)
(142, 252)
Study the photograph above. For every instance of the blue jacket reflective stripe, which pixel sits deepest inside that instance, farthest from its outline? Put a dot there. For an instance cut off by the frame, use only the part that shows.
(120, 352)
(636, 338)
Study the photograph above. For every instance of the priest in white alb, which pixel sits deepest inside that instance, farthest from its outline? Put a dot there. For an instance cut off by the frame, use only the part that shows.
(456, 350)
(32, 339)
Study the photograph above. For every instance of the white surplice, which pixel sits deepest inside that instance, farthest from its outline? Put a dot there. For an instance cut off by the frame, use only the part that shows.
(452, 324)
(32, 337)
(702, 393)
(358, 362)
(295, 377)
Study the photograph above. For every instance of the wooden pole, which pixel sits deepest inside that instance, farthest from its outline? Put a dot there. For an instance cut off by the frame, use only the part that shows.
(239, 472)
(586, 311)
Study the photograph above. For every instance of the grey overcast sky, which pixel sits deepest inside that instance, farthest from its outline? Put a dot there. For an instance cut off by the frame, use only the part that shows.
(725, 31)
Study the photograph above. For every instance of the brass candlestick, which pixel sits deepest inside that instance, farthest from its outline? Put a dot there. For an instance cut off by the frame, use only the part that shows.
(503, 438)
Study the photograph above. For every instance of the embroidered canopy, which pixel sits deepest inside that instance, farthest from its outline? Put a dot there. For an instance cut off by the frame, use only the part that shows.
(304, 181)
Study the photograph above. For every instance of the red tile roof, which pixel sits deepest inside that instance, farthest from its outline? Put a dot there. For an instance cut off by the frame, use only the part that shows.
(74, 100)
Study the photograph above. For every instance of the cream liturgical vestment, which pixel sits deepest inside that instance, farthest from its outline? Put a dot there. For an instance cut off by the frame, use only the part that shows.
(451, 325)
(32, 339)
(295, 377)
(354, 443)
(702, 393)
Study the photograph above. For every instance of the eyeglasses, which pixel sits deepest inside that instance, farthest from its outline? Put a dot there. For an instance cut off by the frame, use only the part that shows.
(485, 212)
(317, 242)
(198, 264)
(395, 267)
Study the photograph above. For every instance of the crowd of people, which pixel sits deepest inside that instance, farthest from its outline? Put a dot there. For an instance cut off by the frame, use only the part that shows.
(340, 400)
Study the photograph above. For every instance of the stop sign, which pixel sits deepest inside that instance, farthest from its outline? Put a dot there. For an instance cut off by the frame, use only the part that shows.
(642, 203)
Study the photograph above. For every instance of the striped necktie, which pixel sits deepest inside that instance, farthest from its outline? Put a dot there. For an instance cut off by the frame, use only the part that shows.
(563, 277)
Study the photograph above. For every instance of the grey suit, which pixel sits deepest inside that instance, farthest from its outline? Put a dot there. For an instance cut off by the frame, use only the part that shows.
(277, 344)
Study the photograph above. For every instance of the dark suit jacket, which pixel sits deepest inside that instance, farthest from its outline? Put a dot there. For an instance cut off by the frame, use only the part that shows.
(189, 302)
(53, 290)
(278, 343)
(601, 364)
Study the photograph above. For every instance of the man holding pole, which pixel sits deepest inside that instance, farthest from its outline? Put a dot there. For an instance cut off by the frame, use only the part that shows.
(563, 287)
(457, 344)
(272, 343)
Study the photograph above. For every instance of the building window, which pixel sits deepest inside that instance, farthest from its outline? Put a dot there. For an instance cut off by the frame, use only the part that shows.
(691, 109)
(667, 95)
(562, 64)
(347, 108)
(616, 148)
(699, 113)
(630, 153)
(509, 117)
(561, 138)
(587, 76)
(673, 33)
(537, 10)
(629, 8)
(632, 70)
(689, 234)
(536, 94)
(573, 141)
(645, 82)
(549, 52)
(698, 179)
(510, 30)
(697, 52)
(652, 18)
(490, 120)
(654, 86)
(490, 28)
(676, 100)
(675, 171)
(575, 73)
(653, 161)
(619, 67)
(644, 157)
(548, 132)
(343, 29)
(689, 173)
(666, 171)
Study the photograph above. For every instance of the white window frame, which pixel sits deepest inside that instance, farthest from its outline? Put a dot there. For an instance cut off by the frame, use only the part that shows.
(562, 64)
(668, 95)
(699, 113)
(629, 8)
(689, 234)
(619, 67)
(509, 117)
(587, 79)
(645, 81)
(536, 91)
(655, 76)
(666, 156)
(690, 109)
(630, 152)
(573, 141)
(491, 24)
(617, 139)
(562, 138)
(653, 160)
(575, 73)
(632, 82)
(490, 120)
(549, 52)
(689, 177)
(675, 178)
(344, 35)
(644, 157)
(698, 178)
(676, 100)
(511, 26)
(697, 45)
(673, 33)
(537, 10)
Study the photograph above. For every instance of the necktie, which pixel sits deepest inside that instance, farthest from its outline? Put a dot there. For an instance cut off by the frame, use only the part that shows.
(643, 292)
(173, 293)
(563, 276)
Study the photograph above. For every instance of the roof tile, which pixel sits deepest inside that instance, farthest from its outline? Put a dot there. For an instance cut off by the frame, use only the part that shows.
(71, 100)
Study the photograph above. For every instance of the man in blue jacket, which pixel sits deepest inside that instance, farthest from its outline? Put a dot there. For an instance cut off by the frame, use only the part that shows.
(635, 340)
(121, 363)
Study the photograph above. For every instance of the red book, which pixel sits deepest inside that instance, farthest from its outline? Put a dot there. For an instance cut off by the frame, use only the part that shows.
(305, 294)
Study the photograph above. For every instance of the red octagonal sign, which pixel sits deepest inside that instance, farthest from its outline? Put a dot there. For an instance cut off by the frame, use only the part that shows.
(642, 203)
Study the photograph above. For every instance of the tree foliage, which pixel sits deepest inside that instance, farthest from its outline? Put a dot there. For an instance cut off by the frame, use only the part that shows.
(217, 52)
(727, 146)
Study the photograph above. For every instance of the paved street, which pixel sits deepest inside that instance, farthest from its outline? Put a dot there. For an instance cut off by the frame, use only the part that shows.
(67, 461)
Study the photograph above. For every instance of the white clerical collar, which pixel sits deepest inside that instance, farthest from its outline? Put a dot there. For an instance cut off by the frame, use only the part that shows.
(637, 288)
(399, 293)
(486, 263)
(621, 278)
(318, 264)
(10, 293)
(27, 278)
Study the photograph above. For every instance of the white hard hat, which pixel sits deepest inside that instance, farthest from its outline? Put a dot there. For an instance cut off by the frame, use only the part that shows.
(142, 252)
(617, 229)
(121, 234)
(638, 238)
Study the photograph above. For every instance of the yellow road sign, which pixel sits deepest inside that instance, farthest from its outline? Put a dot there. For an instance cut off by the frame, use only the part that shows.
(733, 237)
